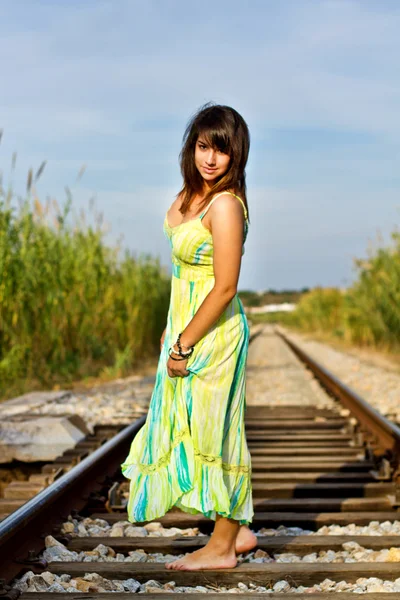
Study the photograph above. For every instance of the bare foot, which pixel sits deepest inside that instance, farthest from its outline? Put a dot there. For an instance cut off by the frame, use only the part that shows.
(245, 541)
(205, 558)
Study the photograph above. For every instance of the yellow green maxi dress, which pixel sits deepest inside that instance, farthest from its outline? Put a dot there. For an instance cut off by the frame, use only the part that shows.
(192, 452)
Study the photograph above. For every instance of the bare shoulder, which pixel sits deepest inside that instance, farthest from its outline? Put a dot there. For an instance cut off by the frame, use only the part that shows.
(227, 205)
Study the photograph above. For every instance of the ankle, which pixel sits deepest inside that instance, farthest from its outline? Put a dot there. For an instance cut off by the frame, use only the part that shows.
(221, 546)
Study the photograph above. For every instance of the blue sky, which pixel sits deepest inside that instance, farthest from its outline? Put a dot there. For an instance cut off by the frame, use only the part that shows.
(112, 84)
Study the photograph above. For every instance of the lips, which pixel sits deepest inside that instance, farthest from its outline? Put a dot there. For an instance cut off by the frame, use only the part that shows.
(209, 170)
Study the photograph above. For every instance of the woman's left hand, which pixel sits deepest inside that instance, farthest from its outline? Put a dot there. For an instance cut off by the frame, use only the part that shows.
(177, 368)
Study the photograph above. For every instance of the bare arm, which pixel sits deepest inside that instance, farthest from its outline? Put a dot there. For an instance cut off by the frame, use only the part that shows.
(227, 222)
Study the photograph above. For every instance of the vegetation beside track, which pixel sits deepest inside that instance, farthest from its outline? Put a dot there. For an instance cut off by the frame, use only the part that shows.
(71, 307)
(366, 314)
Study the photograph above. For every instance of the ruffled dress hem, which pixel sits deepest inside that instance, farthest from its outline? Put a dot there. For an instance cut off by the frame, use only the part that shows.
(194, 482)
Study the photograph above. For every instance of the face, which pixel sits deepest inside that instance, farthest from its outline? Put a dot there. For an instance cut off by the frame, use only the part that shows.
(210, 163)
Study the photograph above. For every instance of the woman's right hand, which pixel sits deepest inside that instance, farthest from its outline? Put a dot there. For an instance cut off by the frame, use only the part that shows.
(162, 339)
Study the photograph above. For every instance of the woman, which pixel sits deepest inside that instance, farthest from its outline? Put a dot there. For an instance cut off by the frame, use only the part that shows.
(192, 451)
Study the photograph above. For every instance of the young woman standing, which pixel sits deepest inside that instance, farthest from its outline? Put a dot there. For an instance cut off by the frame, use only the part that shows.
(192, 451)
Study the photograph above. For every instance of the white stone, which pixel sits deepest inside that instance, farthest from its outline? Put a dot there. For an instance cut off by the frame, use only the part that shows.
(327, 585)
(281, 586)
(131, 585)
(41, 439)
(55, 588)
(82, 530)
(152, 585)
(136, 531)
(310, 557)
(67, 528)
(59, 554)
(50, 541)
(242, 586)
(48, 577)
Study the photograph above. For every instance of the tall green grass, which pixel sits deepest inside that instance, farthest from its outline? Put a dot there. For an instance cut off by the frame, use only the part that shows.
(372, 311)
(71, 306)
(318, 310)
(367, 313)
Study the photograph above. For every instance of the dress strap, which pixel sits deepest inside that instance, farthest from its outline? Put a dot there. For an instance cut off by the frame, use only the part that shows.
(220, 194)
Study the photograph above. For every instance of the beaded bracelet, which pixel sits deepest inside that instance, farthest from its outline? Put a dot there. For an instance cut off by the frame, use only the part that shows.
(180, 351)
(183, 355)
(169, 354)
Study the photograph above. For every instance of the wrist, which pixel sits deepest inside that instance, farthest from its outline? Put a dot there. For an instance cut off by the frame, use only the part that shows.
(175, 349)
(175, 354)
(184, 353)
(181, 349)
(185, 342)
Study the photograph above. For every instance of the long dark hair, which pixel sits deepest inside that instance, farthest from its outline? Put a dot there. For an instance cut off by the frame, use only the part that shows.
(225, 130)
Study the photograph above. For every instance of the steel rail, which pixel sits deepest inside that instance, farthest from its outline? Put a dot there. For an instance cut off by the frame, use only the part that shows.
(385, 432)
(28, 519)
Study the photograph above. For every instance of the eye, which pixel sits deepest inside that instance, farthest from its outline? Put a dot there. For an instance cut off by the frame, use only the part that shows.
(202, 146)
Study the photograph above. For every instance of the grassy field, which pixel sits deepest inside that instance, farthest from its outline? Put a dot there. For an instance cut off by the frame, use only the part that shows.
(71, 307)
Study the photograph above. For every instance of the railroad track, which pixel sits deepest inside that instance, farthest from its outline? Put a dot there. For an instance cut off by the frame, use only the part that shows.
(17, 492)
(312, 468)
(28, 418)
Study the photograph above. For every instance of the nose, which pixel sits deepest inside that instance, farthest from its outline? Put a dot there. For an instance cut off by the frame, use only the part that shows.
(211, 157)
